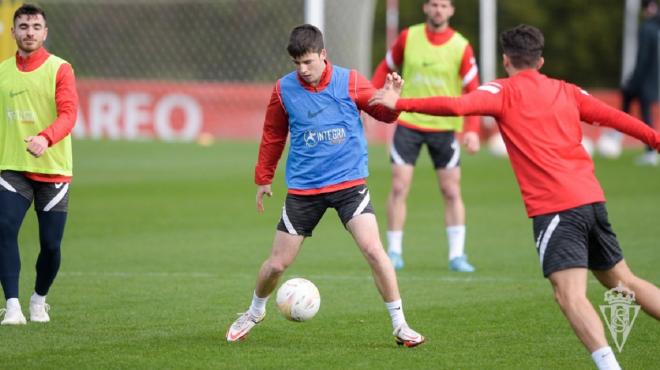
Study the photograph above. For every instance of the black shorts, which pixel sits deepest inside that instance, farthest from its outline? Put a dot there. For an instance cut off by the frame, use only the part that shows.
(301, 213)
(443, 147)
(578, 237)
(47, 196)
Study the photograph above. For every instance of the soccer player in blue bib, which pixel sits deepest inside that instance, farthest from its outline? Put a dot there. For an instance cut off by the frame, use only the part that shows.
(319, 106)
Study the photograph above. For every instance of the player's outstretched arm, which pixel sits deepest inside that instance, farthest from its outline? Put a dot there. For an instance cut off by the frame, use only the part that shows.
(593, 110)
(261, 191)
(385, 97)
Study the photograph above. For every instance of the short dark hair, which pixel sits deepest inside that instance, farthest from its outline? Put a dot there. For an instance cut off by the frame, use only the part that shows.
(305, 39)
(29, 9)
(523, 44)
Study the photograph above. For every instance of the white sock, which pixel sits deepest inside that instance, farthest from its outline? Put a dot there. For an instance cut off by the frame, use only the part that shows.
(13, 303)
(395, 308)
(38, 299)
(258, 306)
(604, 359)
(394, 241)
(456, 239)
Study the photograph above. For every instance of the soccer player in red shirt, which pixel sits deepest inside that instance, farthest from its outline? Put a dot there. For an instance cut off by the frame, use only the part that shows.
(540, 120)
(435, 59)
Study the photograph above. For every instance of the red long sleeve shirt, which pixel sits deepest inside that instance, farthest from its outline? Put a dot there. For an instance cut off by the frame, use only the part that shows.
(467, 70)
(66, 101)
(276, 126)
(539, 118)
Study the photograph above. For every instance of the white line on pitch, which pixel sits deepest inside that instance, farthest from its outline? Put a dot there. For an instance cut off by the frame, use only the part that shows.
(453, 279)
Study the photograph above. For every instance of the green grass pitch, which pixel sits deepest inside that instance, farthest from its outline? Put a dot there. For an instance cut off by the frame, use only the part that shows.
(163, 244)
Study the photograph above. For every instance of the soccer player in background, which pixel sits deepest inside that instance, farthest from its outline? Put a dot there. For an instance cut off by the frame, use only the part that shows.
(434, 59)
(319, 104)
(643, 82)
(38, 104)
(540, 120)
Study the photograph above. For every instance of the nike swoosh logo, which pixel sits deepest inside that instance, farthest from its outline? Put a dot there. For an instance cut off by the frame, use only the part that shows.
(428, 64)
(13, 94)
(59, 185)
(232, 337)
(362, 192)
(311, 114)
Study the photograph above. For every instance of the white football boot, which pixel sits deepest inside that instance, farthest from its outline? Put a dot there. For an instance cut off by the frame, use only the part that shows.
(39, 312)
(13, 315)
(242, 326)
(405, 336)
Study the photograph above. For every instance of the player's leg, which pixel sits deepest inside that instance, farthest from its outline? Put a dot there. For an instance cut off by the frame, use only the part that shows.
(364, 230)
(563, 242)
(51, 204)
(404, 151)
(285, 249)
(606, 262)
(570, 289)
(445, 154)
(647, 295)
(15, 199)
(402, 176)
(355, 210)
(650, 156)
(300, 215)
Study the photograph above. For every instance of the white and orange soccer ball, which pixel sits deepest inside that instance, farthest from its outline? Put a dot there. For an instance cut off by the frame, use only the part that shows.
(298, 299)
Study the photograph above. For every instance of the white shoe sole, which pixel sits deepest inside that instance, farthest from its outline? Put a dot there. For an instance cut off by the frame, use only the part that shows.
(14, 322)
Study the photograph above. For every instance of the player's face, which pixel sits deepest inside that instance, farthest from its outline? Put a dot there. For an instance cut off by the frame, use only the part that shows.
(438, 13)
(30, 32)
(310, 66)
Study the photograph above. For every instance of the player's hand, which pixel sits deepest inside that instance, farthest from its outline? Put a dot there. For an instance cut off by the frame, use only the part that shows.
(471, 142)
(36, 145)
(393, 82)
(261, 191)
(385, 97)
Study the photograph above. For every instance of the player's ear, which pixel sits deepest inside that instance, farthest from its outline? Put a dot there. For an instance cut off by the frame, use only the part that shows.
(323, 54)
(539, 63)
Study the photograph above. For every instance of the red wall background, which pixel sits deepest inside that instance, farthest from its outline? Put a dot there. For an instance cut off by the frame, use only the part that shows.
(170, 111)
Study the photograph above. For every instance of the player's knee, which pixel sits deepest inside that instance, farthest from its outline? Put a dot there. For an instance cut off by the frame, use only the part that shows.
(400, 189)
(568, 299)
(276, 267)
(451, 193)
(8, 228)
(373, 252)
(620, 275)
(51, 247)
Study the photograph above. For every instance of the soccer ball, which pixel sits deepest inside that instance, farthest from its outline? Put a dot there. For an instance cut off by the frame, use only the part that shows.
(298, 299)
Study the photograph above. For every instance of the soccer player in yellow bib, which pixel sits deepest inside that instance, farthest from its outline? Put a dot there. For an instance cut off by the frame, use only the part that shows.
(38, 106)
(434, 60)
